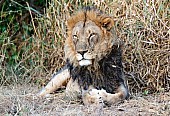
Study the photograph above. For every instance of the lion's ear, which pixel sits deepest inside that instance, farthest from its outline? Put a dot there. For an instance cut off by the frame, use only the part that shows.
(107, 23)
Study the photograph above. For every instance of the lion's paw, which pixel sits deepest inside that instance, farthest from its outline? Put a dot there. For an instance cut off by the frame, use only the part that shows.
(93, 96)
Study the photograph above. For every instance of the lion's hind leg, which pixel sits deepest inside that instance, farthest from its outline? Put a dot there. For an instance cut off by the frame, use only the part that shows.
(56, 82)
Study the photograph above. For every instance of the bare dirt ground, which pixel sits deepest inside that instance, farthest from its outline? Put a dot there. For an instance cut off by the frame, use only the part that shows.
(21, 100)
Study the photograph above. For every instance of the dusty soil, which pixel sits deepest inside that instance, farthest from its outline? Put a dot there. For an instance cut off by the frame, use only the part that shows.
(22, 100)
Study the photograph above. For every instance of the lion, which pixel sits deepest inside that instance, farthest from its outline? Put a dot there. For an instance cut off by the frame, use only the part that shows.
(93, 70)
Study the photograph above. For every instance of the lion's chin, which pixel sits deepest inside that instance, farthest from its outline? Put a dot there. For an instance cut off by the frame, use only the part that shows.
(85, 62)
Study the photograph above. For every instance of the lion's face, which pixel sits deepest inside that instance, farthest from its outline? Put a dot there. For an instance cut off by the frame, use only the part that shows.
(89, 38)
(86, 38)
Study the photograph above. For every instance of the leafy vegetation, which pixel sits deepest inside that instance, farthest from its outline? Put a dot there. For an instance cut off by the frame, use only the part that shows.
(16, 39)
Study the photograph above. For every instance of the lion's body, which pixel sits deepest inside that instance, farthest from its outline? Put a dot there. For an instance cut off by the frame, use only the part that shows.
(94, 62)
(107, 76)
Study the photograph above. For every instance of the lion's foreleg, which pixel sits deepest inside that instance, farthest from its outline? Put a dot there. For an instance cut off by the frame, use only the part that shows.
(56, 82)
(73, 91)
(121, 94)
(94, 96)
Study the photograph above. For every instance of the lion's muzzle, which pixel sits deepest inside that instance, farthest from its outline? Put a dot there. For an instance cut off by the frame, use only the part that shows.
(84, 59)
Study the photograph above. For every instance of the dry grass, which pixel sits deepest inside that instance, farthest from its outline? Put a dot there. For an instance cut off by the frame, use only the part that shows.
(145, 30)
(16, 100)
(144, 26)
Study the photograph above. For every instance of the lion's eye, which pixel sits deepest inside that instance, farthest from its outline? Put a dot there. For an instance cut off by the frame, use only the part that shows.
(92, 35)
(93, 38)
(75, 37)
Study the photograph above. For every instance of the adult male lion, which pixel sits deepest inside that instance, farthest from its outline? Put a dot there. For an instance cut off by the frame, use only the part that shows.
(94, 65)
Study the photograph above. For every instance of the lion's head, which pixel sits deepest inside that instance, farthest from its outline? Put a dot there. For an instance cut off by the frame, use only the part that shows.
(90, 37)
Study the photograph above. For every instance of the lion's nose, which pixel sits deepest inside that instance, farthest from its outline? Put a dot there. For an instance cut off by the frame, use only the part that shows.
(82, 52)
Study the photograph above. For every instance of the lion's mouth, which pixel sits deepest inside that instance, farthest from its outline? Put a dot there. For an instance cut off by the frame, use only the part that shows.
(83, 61)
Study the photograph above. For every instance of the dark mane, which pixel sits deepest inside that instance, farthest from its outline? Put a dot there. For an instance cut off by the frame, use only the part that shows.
(108, 76)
